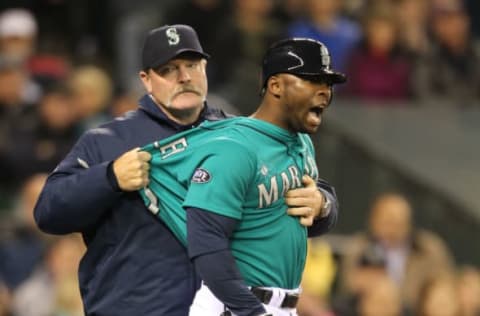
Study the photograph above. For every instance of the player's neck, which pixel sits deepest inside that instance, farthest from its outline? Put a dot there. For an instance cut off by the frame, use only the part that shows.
(269, 113)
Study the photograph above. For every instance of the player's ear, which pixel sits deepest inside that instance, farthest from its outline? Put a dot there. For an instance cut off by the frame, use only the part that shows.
(145, 77)
(274, 86)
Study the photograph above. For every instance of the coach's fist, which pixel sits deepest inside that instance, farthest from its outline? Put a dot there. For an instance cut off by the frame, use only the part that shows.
(131, 169)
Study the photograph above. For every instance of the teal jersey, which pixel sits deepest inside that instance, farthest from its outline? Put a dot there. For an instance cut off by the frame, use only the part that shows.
(240, 168)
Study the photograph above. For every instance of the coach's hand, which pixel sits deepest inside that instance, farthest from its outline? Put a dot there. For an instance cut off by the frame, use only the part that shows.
(305, 202)
(131, 169)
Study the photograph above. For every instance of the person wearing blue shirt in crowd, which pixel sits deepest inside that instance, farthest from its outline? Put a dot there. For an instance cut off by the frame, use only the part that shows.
(325, 24)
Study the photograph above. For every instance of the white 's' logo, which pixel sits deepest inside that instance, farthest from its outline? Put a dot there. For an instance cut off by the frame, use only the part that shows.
(173, 37)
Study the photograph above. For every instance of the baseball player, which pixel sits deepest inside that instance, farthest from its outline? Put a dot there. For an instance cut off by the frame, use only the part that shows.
(222, 187)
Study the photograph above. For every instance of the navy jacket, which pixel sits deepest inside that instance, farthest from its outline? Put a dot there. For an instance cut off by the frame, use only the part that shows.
(133, 264)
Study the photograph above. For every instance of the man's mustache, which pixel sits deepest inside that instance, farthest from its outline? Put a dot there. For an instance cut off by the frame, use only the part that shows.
(190, 89)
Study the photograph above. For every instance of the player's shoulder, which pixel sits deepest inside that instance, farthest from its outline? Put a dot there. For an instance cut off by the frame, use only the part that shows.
(227, 139)
(229, 142)
(225, 131)
(219, 124)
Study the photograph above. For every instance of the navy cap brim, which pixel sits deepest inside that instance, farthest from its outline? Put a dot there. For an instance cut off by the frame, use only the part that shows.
(163, 61)
(331, 76)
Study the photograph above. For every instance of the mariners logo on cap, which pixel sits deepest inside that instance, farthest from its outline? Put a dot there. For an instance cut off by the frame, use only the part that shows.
(173, 37)
(201, 176)
(299, 59)
(325, 57)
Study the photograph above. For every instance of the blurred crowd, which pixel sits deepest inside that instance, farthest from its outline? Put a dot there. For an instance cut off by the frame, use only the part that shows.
(390, 268)
(55, 83)
(423, 51)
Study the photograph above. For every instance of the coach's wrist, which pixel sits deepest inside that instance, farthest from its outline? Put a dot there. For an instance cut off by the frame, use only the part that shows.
(112, 179)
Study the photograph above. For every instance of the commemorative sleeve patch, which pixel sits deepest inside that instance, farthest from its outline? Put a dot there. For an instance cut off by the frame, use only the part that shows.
(201, 176)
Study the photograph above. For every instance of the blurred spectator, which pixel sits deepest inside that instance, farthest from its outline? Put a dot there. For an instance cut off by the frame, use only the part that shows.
(412, 25)
(325, 23)
(317, 280)
(205, 16)
(39, 137)
(438, 297)
(5, 300)
(468, 289)
(354, 8)
(48, 68)
(288, 11)
(53, 288)
(13, 82)
(450, 70)
(22, 244)
(92, 90)
(412, 256)
(369, 268)
(18, 34)
(240, 44)
(382, 298)
(378, 68)
(18, 31)
(11, 103)
(474, 12)
(122, 103)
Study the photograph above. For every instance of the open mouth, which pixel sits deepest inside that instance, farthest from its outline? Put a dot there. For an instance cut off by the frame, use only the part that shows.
(317, 110)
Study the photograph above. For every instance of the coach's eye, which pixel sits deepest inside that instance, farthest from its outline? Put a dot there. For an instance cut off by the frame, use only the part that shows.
(165, 70)
(193, 64)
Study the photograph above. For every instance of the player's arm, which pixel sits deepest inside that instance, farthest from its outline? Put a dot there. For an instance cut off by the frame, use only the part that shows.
(78, 192)
(214, 205)
(316, 204)
(208, 247)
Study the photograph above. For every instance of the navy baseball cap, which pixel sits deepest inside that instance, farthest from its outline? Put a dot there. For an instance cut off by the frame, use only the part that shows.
(167, 42)
(302, 57)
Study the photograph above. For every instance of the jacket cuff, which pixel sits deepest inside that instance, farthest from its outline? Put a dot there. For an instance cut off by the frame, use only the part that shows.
(112, 179)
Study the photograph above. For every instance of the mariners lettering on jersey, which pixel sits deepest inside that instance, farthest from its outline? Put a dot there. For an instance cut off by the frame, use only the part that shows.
(173, 37)
(153, 205)
(172, 148)
(270, 191)
(310, 167)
